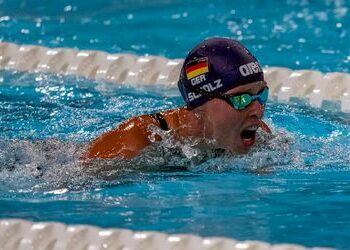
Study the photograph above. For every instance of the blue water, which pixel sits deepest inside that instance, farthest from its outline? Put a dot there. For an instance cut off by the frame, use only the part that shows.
(297, 34)
(293, 187)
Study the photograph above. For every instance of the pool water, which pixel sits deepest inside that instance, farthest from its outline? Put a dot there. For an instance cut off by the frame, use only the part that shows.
(293, 187)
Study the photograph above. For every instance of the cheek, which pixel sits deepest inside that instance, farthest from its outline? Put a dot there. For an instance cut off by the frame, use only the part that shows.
(227, 117)
(221, 110)
(233, 118)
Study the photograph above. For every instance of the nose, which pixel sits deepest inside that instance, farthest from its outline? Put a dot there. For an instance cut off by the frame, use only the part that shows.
(256, 109)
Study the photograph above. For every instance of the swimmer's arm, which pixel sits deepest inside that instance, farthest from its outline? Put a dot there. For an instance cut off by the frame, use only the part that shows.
(126, 141)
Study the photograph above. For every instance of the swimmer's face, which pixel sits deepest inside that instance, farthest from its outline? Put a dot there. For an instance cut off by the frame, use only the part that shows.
(233, 129)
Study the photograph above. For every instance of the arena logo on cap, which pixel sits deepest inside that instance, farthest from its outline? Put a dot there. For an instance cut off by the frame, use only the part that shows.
(197, 67)
(249, 69)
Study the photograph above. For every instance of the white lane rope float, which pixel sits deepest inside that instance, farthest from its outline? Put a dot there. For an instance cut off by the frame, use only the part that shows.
(311, 85)
(284, 83)
(24, 235)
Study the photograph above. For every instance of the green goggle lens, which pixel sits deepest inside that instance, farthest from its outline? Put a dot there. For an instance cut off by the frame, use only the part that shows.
(243, 100)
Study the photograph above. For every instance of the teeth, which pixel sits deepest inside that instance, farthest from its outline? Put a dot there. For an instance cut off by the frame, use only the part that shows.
(252, 128)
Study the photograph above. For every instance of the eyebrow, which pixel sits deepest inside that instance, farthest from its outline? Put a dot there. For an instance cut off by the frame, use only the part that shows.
(250, 89)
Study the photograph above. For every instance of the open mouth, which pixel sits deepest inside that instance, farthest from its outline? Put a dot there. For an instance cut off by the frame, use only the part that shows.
(248, 135)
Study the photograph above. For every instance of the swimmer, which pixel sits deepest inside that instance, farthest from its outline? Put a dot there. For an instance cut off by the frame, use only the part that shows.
(223, 86)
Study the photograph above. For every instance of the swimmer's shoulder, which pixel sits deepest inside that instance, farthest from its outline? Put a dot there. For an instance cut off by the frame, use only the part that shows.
(125, 141)
(129, 138)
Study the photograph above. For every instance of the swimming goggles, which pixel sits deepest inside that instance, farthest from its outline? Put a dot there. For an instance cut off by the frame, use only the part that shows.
(237, 101)
(241, 101)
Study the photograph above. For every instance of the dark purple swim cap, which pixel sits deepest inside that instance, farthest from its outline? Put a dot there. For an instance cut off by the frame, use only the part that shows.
(216, 65)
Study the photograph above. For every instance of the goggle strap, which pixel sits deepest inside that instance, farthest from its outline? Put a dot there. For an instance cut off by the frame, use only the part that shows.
(205, 93)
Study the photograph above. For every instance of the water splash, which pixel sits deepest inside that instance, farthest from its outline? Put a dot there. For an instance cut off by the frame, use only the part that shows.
(52, 165)
(28, 166)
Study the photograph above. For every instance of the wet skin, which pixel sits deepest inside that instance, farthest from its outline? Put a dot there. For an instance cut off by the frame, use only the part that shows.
(215, 120)
(226, 123)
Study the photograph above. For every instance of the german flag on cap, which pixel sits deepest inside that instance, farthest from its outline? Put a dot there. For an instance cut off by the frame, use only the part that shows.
(197, 67)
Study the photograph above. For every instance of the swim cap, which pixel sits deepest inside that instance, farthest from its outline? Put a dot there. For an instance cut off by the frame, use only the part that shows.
(216, 65)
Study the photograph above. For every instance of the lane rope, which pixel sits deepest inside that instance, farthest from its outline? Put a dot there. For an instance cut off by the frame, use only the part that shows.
(313, 86)
(24, 235)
